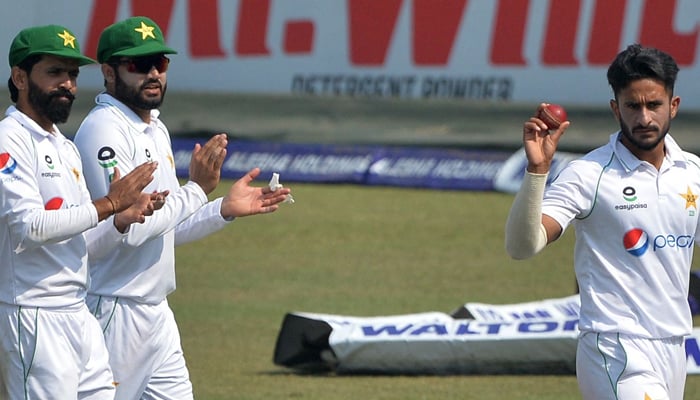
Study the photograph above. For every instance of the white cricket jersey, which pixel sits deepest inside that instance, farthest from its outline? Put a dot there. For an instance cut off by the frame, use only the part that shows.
(635, 230)
(141, 267)
(44, 209)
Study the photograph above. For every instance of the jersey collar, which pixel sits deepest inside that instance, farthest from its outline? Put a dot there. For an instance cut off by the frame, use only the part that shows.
(138, 124)
(674, 153)
(30, 124)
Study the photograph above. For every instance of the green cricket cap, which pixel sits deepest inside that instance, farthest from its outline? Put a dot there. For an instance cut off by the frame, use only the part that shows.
(54, 40)
(132, 37)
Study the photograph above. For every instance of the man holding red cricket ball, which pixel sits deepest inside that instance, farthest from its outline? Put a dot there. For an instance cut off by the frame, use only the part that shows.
(633, 205)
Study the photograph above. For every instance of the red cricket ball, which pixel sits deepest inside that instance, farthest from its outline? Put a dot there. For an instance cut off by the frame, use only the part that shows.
(552, 115)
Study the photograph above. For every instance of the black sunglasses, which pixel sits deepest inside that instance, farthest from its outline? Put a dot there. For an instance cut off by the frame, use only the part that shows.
(144, 64)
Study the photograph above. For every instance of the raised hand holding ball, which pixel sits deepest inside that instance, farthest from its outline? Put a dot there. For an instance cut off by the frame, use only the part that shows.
(553, 115)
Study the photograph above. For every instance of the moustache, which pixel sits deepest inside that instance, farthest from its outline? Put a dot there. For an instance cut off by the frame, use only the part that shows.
(650, 128)
(62, 93)
(152, 83)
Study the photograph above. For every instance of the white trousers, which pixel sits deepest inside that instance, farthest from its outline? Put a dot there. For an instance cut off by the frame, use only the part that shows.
(53, 354)
(144, 347)
(619, 367)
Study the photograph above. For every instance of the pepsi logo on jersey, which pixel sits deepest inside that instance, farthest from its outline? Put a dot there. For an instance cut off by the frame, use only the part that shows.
(7, 163)
(636, 242)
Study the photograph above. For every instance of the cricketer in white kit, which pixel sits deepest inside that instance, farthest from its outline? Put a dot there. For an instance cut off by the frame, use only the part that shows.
(51, 347)
(633, 205)
(130, 285)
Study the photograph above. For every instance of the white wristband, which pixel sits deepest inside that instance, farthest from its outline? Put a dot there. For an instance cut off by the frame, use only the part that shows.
(525, 234)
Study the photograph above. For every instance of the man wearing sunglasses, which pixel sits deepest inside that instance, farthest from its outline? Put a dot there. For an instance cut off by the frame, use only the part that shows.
(129, 287)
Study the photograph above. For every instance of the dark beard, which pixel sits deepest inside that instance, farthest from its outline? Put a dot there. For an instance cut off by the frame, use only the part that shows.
(645, 146)
(133, 98)
(47, 105)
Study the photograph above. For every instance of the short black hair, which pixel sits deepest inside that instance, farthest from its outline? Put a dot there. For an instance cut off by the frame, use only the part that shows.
(640, 62)
(27, 64)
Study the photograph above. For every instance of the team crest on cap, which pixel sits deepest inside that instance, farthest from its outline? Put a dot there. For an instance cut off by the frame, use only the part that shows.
(68, 39)
(146, 31)
(636, 242)
(7, 163)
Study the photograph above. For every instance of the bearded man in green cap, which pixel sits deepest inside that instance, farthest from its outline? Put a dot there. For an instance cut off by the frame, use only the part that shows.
(51, 346)
(129, 286)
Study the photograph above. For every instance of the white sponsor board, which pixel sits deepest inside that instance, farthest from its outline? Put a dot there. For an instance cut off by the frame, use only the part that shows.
(523, 51)
(564, 308)
(534, 337)
(436, 343)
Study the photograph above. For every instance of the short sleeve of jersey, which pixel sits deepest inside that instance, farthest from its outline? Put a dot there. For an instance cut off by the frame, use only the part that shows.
(571, 194)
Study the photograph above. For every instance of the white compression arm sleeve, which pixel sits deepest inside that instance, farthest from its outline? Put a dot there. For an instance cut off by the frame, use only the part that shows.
(525, 234)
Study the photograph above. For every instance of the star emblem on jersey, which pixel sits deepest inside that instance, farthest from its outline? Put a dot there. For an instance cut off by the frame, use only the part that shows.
(690, 199)
(146, 31)
(68, 39)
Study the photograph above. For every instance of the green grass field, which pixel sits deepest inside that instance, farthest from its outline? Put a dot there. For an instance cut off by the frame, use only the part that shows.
(361, 251)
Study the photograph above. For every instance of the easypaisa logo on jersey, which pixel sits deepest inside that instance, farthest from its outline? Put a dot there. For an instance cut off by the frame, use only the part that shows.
(637, 242)
(106, 158)
(50, 165)
(630, 195)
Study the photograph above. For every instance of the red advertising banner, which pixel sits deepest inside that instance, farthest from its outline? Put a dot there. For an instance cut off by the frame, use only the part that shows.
(492, 50)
